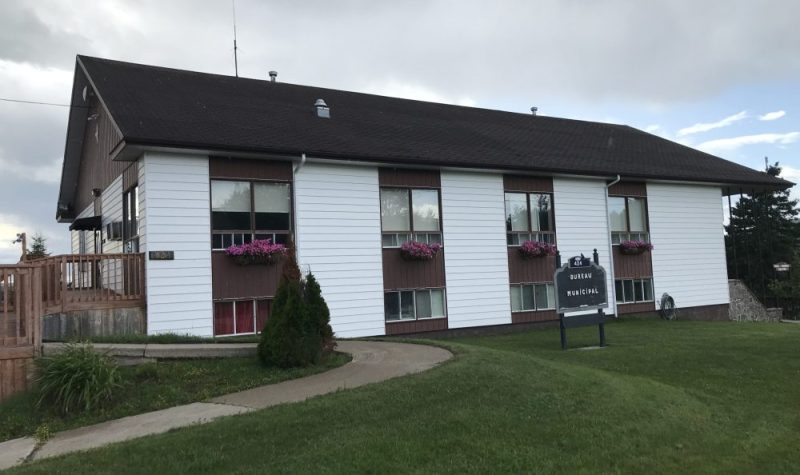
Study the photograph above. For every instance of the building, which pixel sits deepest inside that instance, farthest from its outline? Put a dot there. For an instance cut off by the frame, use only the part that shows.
(178, 165)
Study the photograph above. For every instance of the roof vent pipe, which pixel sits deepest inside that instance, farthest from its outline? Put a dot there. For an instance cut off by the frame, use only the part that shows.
(534, 110)
(273, 76)
(322, 109)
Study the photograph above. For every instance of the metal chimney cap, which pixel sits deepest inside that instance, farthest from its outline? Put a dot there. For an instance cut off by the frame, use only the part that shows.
(273, 75)
(534, 110)
(322, 109)
(320, 103)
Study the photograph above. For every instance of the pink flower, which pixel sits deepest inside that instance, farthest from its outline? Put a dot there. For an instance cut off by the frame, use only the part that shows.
(640, 246)
(419, 251)
(537, 249)
(257, 251)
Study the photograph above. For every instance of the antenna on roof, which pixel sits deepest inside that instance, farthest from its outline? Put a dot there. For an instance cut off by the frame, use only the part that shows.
(235, 56)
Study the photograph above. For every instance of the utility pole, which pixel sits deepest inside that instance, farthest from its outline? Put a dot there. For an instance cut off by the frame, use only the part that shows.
(22, 238)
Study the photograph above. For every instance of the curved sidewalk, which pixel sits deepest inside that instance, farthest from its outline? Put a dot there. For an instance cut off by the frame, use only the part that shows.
(372, 362)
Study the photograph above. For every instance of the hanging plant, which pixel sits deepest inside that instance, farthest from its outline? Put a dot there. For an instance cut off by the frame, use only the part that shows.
(534, 249)
(260, 251)
(635, 247)
(419, 251)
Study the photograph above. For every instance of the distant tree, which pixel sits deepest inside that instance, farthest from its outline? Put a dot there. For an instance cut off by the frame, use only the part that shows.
(787, 289)
(763, 230)
(38, 248)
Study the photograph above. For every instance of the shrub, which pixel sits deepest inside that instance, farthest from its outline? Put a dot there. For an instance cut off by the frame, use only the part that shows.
(77, 379)
(298, 330)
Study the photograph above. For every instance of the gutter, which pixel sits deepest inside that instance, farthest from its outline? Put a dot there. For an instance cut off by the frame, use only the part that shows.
(611, 249)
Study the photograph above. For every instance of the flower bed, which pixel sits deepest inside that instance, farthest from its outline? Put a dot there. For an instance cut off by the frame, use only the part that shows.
(533, 249)
(260, 251)
(419, 251)
(635, 247)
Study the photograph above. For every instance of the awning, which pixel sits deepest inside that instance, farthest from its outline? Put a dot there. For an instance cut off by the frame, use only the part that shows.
(92, 223)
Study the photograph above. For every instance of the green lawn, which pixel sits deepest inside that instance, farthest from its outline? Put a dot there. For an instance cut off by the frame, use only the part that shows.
(155, 386)
(665, 397)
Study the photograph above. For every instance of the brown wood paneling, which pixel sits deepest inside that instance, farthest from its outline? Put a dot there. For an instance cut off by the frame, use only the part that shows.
(130, 176)
(96, 169)
(522, 270)
(534, 316)
(250, 169)
(717, 313)
(399, 273)
(232, 281)
(416, 326)
(632, 266)
(531, 184)
(626, 188)
(409, 177)
(627, 308)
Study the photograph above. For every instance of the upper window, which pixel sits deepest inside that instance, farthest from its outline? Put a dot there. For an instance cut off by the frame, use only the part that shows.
(627, 217)
(529, 217)
(410, 214)
(242, 211)
(130, 220)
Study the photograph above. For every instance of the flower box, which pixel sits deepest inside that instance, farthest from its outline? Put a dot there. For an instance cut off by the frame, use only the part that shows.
(635, 247)
(535, 249)
(419, 251)
(258, 252)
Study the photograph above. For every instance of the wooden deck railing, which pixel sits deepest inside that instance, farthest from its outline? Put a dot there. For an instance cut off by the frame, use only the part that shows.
(20, 330)
(91, 281)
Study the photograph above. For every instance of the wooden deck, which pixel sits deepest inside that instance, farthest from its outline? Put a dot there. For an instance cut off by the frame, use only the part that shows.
(57, 284)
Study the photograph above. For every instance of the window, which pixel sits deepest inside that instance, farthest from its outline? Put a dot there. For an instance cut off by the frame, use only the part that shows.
(529, 217)
(627, 217)
(130, 220)
(237, 317)
(634, 290)
(529, 297)
(242, 211)
(410, 214)
(414, 304)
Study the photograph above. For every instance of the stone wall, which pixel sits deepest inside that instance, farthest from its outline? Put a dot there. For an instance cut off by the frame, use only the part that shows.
(745, 307)
(99, 322)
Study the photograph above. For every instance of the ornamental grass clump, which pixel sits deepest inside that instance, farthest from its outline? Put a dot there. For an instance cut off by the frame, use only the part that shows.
(532, 249)
(635, 247)
(419, 251)
(77, 379)
(260, 251)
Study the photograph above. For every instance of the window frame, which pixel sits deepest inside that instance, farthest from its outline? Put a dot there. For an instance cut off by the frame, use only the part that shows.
(233, 301)
(241, 236)
(530, 233)
(400, 237)
(414, 292)
(548, 287)
(618, 237)
(130, 200)
(621, 296)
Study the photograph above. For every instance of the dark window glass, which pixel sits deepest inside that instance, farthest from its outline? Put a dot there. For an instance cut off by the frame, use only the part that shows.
(272, 205)
(230, 205)
(638, 291)
(627, 286)
(648, 289)
(407, 305)
(527, 297)
(391, 305)
(618, 291)
(424, 304)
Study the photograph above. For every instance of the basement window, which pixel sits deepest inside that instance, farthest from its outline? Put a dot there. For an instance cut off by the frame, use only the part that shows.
(530, 297)
(634, 290)
(240, 317)
(419, 304)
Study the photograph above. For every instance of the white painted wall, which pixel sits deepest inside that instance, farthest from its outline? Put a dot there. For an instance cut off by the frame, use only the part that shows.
(582, 223)
(112, 212)
(174, 193)
(689, 246)
(475, 255)
(338, 228)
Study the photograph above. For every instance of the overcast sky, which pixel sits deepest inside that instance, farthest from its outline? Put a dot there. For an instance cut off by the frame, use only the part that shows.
(722, 76)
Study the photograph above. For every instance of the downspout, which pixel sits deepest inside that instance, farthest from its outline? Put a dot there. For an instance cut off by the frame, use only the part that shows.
(611, 250)
(296, 169)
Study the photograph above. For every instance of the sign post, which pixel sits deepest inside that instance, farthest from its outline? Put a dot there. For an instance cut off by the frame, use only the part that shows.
(580, 285)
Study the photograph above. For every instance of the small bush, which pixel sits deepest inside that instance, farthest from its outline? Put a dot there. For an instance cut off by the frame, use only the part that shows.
(77, 379)
(319, 313)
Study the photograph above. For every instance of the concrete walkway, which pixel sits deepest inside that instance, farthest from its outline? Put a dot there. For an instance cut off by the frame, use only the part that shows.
(372, 362)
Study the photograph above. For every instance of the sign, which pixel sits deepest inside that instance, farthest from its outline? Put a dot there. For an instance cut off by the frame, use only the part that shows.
(580, 285)
(161, 255)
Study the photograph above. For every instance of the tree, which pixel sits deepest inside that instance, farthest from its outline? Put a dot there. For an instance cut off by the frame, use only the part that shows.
(38, 249)
(319, 313)
(787, 289)
(763, 230)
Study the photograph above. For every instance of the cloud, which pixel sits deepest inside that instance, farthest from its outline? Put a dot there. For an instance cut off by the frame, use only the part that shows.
(49, 173)
(772, 115)
(705, 127)
(733, 143)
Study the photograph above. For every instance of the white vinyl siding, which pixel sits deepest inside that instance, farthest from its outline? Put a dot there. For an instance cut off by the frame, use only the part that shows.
(475, 250)
(689, 246)
(582, 223)
(338, 230)
(175, 216)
